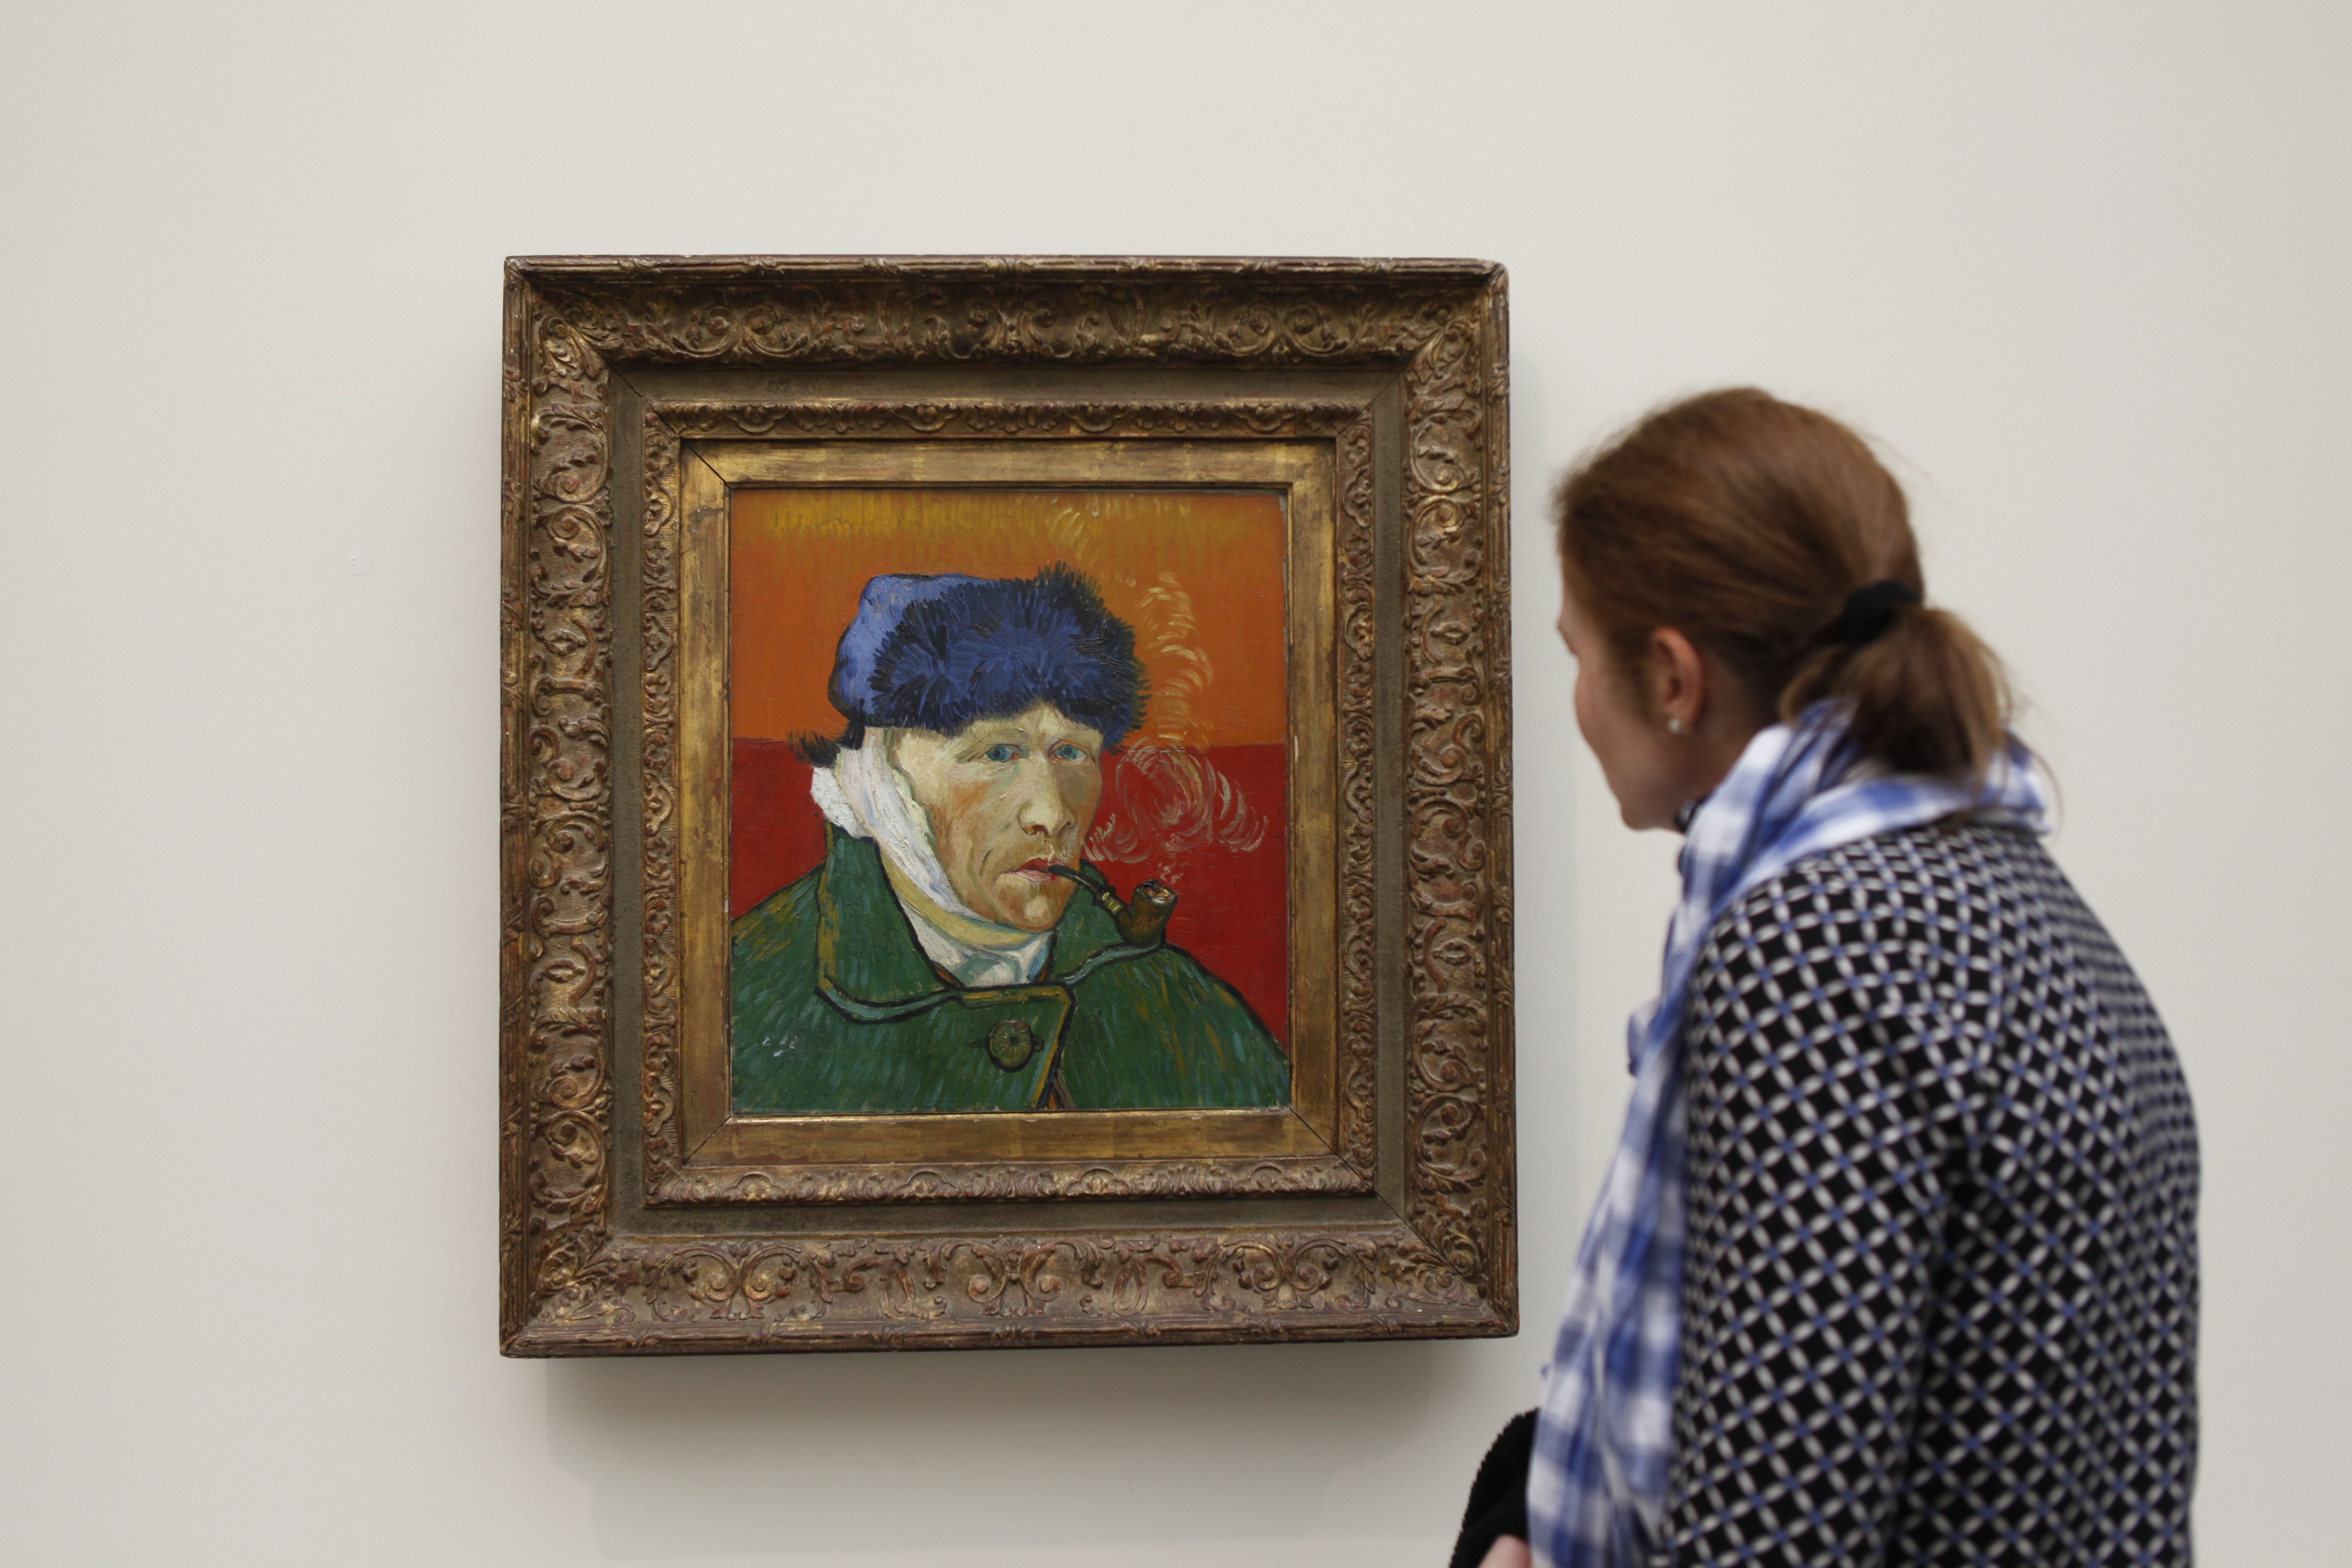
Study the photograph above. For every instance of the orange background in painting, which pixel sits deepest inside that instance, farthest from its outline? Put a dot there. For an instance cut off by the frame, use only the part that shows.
(800, 558)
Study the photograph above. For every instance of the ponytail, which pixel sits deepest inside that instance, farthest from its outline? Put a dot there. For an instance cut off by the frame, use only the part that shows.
(1773, 537)
(1926, 696)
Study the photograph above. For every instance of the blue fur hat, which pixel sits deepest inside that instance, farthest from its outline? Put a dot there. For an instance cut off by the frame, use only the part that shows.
(936, 653)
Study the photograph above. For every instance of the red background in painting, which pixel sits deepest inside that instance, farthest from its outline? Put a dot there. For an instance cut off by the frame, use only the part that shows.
(1232, 908)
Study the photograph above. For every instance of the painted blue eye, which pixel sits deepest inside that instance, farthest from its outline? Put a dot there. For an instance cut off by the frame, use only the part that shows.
(999, 753)
(1065, 753)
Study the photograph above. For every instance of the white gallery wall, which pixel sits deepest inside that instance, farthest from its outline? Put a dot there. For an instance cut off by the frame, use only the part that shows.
(2085, 269)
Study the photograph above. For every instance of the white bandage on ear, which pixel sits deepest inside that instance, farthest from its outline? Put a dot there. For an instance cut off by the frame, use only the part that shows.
(826, 790)
(866, 796)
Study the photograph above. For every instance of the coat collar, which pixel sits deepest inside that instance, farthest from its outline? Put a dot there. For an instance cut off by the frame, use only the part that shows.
(866, 949)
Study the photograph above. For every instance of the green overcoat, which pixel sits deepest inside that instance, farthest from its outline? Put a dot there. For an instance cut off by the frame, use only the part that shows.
(836, 1008)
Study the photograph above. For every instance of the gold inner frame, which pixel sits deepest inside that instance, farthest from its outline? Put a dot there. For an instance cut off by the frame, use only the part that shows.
(1304, 472)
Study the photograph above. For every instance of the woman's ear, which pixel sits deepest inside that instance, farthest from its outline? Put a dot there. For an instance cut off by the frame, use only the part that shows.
(1679, 680)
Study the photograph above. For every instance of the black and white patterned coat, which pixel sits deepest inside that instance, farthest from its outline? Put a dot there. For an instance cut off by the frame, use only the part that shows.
(1941, 1289)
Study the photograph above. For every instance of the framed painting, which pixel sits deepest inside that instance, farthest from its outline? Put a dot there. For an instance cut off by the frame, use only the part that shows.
(1005, 800)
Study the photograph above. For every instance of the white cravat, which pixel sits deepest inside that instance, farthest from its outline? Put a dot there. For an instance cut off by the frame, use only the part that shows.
(981, 965)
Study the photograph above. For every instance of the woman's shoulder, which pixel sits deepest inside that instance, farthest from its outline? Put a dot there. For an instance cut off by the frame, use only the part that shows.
(1934, 926)
(1959, 870)
(1962, 909)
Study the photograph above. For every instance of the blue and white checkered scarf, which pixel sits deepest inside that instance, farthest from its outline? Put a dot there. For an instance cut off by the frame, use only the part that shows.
(1597, 1486)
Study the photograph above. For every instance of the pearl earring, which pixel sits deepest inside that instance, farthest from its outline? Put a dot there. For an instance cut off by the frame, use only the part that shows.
(1674, 726)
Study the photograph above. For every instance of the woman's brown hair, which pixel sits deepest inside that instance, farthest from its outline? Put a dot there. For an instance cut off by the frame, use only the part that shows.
(1747, 524)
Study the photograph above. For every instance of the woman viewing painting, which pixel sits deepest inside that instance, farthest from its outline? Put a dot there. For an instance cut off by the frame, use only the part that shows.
(1895, 1261)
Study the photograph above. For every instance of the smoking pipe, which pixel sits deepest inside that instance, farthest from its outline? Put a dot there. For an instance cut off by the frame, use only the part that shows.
(1140, 922)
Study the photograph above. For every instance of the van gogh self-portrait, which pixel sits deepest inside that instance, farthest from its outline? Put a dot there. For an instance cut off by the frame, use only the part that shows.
(955, 947)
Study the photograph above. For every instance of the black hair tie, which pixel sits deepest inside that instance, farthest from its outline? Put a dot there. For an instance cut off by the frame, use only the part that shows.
(1869, 610)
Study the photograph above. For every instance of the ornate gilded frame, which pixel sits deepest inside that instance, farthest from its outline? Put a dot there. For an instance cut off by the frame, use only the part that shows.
(634, 1216)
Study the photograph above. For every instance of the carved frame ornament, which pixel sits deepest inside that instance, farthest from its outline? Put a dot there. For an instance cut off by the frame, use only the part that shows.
(627, 1226)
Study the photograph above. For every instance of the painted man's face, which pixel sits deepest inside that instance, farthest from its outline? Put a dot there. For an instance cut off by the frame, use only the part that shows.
(1007, 797)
